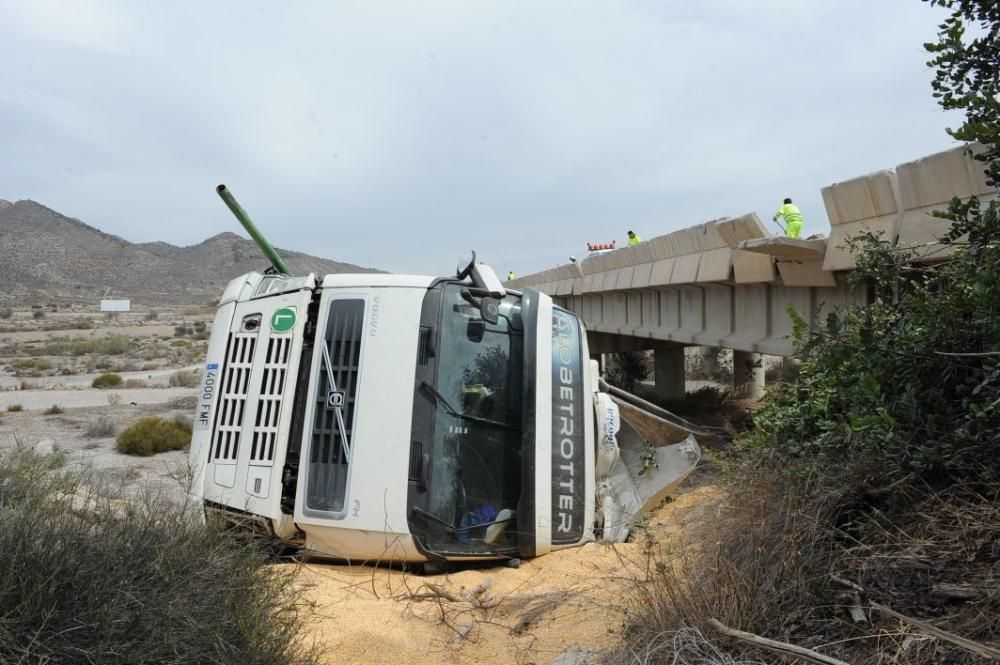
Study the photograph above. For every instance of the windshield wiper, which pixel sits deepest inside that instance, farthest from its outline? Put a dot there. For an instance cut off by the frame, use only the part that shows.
(443, 401)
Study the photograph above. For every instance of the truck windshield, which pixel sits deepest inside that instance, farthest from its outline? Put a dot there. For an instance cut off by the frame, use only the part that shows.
(465, 467)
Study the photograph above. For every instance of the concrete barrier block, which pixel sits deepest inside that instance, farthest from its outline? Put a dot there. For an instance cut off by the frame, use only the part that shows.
(641, 253)
(662, 247)
(735, 230)
(685, 269)
(641, 279)
(867, 203)
(685, 241)
(805, 273)
(604, 281)
(781, 247)
(662, 270)
(715, 265)
(929, 184)
(708, 236)
(624, 279)
(749, 268)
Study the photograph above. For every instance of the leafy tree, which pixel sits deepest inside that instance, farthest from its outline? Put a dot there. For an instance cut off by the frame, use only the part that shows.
(911, 381)
(967, 72)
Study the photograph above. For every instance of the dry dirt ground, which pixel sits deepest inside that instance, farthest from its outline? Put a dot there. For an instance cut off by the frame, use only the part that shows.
(572, 602)
(33, 382)
(96, 457)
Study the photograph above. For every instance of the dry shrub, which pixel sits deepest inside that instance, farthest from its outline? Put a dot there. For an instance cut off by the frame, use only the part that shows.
(84, 580)
(931, 554)
(184, 379)
(748, 566)
(15, 407)
(53, 410)
(101, 427)
(787, 557)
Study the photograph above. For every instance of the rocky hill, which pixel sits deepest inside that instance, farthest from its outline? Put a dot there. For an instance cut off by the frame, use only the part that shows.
(46, 256)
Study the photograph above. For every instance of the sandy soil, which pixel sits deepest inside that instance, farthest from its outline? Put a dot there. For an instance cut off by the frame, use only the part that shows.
(575, 598)
(101, 465)
(159, 329)
(153, 378)
(34, 400)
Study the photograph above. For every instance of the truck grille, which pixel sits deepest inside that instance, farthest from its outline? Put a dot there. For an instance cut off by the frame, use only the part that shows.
(272, 386)
(236, 381)
(329, 458)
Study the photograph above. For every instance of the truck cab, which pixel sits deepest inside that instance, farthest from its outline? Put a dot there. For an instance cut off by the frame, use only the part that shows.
(399, 417)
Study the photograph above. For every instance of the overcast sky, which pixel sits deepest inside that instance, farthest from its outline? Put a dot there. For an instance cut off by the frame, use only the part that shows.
(399, 134)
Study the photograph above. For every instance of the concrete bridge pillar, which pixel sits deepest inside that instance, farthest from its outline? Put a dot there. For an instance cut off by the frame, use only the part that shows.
(748, 373)
(668, 370)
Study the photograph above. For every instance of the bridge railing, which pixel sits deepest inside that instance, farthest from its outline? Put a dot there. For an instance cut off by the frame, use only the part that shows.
(728, 282)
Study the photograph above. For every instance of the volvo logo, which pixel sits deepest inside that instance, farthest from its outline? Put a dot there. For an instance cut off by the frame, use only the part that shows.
(335, 399)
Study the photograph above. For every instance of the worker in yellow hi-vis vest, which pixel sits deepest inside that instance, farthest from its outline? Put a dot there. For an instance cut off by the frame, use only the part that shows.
(793, 218)
(633, 239)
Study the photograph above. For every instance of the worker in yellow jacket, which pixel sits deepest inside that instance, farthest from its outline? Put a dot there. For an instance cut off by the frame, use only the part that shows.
(633, 239)
(793, 218)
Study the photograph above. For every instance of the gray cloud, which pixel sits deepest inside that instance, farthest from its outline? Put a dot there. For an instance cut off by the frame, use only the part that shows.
(399, 134)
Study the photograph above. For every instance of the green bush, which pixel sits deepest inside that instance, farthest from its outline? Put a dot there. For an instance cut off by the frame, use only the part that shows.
(151, 435)
(15, 407)
(110, 345)
(909, 383)
(83, 580)
(38, 314)
(106, 380)
(6, 313)
(53, 410)
(38, 364)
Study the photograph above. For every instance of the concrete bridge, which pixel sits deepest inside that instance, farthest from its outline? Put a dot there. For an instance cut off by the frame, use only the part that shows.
(728, 282)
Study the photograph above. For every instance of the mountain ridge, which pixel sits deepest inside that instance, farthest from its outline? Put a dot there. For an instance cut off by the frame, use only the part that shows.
(48, 256)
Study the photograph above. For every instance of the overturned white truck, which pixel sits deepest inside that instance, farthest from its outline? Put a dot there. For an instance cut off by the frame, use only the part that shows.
(406, 418)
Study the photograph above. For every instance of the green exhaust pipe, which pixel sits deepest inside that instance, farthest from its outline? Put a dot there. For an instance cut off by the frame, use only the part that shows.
(241, 214)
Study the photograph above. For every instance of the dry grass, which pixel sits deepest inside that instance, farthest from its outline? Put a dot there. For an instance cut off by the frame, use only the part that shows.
(87, 578)
(101, 427)
(812, 562)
